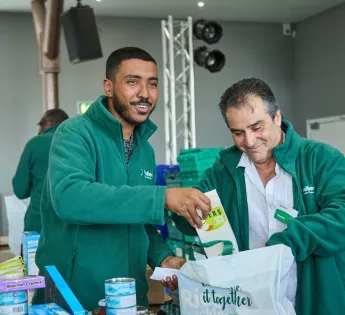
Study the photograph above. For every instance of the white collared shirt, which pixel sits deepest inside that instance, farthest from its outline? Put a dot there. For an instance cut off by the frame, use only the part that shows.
(262, 204)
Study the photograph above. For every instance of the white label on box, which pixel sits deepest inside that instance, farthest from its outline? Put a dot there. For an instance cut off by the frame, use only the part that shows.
(32, 267)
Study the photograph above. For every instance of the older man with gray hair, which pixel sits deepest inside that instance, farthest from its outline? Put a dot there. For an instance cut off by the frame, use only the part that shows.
(279, 188)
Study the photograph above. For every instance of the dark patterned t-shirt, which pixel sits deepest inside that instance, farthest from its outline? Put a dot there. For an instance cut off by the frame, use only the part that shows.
(128, 147)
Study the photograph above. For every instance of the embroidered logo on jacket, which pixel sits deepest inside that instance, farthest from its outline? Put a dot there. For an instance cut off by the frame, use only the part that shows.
(308, 190)
(146, 174)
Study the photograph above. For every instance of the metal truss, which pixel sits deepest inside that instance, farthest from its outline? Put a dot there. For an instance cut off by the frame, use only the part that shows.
(179, 95)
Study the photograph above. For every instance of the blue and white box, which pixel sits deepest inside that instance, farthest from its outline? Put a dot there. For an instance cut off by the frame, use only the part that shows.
(30, 244)
(47, 309)
(57, 291)
(11, 298)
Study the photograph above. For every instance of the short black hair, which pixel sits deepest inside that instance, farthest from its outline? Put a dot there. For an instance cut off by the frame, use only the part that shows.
(236, 96)
(54, 116)
(118, 56)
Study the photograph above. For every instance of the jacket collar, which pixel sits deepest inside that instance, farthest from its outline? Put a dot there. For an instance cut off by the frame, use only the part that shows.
(51, 129)
(100, 115)
(285, 154)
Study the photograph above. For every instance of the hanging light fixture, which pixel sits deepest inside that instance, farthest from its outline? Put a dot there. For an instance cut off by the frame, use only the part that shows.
(208, 31)
(212, 60)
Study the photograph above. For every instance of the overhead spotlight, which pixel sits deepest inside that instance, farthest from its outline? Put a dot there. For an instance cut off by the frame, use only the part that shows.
(208, 31)
(201, 3)
(213, 60)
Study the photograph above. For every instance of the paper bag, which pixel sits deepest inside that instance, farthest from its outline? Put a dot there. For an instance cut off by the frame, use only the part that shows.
(216, 227)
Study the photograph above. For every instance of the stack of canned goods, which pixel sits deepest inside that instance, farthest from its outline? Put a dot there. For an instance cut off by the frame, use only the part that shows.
(14, 303)
(120, 296)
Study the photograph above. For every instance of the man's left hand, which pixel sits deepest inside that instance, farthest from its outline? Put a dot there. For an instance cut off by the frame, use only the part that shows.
(173, 263)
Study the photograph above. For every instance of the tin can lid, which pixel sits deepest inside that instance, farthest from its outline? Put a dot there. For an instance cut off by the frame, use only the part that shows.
(119, 280)
(141, 310)
(101, 303)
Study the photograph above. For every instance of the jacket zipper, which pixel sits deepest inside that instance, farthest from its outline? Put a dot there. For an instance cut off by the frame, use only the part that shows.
(129, 268)
(239, 211)
(128, 226)
(296, 203)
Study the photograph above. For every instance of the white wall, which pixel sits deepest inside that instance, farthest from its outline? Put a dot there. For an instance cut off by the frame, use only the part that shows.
(320, 67)
(252, 50)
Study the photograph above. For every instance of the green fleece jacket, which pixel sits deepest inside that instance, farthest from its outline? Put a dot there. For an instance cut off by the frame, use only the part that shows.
(30, 175)
(98, 213)
(316, 237)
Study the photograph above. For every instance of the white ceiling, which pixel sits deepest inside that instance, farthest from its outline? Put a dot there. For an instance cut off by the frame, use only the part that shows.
(232, 10)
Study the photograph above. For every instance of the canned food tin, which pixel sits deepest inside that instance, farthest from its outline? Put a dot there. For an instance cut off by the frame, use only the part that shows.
(141, 310)
(122, 311)
(10, 298)
(101, 303)
(120, 286)
(112, 301)
(15, 309)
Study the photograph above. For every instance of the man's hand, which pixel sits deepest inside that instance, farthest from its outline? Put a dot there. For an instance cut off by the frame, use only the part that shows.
(185, 201)
(173, 263)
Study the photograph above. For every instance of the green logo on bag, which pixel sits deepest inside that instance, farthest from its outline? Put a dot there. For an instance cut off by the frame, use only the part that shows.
(235, 297)
(216, 219)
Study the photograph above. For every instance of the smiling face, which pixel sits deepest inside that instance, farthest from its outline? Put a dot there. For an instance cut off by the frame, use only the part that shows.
(134, 91)
(253, 130)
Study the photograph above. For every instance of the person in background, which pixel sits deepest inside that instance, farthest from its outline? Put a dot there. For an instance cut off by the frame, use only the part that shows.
(100, 204)
(270, 171)
(32, 168)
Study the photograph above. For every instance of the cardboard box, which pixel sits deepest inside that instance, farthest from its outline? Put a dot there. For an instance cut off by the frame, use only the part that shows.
(156, 290)
(27, 283)
(30, 244)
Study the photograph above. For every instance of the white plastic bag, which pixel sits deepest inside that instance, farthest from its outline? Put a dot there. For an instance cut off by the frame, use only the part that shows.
(15, 210)
(252, 282)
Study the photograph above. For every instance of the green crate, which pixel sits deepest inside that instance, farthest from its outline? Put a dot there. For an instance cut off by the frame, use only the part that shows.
(172, 179)
(190, 179)
(198, 159)
(200, 166)
(189, 183)
(191, 175)
(201, 151)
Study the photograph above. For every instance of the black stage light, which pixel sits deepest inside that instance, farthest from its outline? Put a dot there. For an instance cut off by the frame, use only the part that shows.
(212, 60)
(208, 31)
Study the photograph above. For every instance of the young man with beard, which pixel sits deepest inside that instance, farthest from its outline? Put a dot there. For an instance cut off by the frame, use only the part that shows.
(271, 170)
(100, 205)
(32, 168)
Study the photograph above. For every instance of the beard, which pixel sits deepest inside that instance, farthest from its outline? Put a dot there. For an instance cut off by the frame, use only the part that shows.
(123, 111)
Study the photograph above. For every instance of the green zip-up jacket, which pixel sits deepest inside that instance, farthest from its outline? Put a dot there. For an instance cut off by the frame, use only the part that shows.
(316, 237)
(99, 214)
(30, 175)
